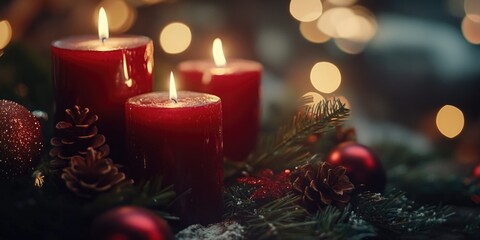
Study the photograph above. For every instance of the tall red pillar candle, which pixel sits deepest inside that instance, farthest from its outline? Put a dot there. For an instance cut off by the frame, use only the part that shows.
(101, 74)
(237, 83)
(181, 141)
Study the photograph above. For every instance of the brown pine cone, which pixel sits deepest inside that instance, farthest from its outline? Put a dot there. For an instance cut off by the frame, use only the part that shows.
(321, 186)
(94, 174)
(75, 136)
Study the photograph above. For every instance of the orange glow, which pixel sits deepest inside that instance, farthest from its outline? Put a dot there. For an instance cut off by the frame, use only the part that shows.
(471, 30)
(335, 157)
(5, 33)
(450, 121)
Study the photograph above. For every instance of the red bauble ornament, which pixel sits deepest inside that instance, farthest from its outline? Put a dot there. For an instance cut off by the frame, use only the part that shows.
(363, 166)
(20, 140)
(476, 172)
(130, 223)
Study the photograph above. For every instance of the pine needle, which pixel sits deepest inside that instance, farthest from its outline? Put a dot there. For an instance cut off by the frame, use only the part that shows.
(287, 146)
(395, 214)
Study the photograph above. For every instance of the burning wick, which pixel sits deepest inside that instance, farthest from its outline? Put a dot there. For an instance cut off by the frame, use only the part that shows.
(173, 88)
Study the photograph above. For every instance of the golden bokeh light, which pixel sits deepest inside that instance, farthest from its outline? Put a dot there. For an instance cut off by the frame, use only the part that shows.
(450, 121)
(325, 77)
(310, 31)
(350, 47)
(120, 14)
(471, 30)
(151, 2)
(472, 9)
(328, 22)
(306, 10)
(342, 2)
(5, 33)
(367, 23)
(349, 27)
(175, 38)
(314, 97)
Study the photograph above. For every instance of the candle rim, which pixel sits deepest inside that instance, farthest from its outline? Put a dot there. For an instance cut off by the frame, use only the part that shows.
(71, 42)
(166, 102)
(236, 65)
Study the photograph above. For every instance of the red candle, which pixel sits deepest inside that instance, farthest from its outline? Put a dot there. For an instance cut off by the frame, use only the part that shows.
(101, 74)
(181, 140)
(237, 83)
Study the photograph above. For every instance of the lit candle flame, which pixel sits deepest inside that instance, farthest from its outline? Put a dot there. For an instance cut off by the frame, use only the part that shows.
(173, 88)
(102, 25)
(218, 55)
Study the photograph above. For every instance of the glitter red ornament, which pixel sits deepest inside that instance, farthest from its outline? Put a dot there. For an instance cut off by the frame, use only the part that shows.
(130, 223)
(364, 168)
(268, 185)
(20, 140)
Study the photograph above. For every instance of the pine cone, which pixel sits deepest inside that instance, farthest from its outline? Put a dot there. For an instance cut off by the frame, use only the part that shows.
(321, 186)
(94, 174)
(75, 136)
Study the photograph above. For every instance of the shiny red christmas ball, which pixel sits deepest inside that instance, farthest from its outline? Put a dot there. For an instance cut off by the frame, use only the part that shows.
(130, 223)
(476, 171)
(20, 140)
(363, 166)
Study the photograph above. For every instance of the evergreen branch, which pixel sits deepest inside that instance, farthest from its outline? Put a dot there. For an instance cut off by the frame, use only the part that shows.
(289, 143)
(395, 214)
(154, 194)
(149, 194)
(332, 223)
(237, 201)
(471, 224)
(278, 219)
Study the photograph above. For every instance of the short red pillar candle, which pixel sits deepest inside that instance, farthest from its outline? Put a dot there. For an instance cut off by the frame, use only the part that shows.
(101, 74)
(181, 141)
(237, 83)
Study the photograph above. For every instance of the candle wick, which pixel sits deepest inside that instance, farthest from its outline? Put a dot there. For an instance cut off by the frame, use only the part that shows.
(104, 39)
(174, 100)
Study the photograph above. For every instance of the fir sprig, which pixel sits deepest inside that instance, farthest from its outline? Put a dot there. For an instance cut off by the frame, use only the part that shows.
(150, 194)
(278, 219)
(395, 214)
(237, 201)
(287, 146)
(332, 223)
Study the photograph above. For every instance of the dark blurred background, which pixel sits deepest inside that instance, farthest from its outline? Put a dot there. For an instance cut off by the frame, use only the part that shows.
(398, 62)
